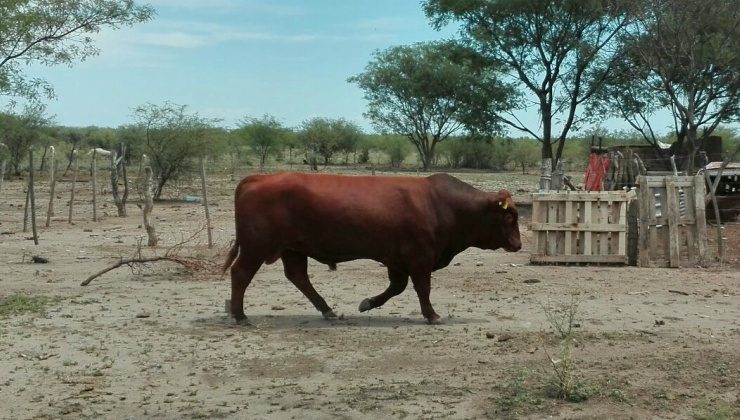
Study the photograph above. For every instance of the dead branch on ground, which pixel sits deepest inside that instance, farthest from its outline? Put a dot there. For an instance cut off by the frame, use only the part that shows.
(173, 254)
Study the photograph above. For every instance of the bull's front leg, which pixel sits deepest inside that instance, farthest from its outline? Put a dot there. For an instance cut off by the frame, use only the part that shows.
(422, 284)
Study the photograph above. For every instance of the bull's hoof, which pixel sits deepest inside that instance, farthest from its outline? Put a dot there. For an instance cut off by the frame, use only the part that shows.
(434, 320)
(329, 314)
(366, 305)
(243, 321)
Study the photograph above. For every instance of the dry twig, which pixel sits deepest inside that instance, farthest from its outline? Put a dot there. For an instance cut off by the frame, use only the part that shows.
(172, 254)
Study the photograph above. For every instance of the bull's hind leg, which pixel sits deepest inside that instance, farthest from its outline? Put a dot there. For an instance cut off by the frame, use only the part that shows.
(422, 284)
(399, 280)
(296, 270)
(242, 272)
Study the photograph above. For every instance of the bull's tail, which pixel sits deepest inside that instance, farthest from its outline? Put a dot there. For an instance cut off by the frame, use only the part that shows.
(233, 252)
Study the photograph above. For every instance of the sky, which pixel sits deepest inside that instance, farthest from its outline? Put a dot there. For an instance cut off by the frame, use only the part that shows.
(231, 59)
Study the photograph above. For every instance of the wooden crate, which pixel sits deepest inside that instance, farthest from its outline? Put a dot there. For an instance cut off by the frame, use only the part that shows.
(672, 221)
(580, 227)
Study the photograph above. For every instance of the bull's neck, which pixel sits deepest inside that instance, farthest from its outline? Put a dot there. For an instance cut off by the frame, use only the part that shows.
(470, 227)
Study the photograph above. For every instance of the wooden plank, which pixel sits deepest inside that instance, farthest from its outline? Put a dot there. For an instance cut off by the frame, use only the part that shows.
(587, 235)
(552, 217)
(539, 237)
(701, 219)
(622, 235)
(604, 236)
(659, 181)
(578, 236)
(678, 183)
(579, 227)
(689, 228)
(657, 244)
(582, 196)
(568, 246)
(674, 256)
(604, 259)
(644, 222)
(560, 247)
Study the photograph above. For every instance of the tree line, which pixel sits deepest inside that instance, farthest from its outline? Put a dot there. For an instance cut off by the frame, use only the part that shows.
(174, 139)
(573, 63)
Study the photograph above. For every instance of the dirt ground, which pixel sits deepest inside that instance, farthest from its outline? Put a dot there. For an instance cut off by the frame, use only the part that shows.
(157, 343)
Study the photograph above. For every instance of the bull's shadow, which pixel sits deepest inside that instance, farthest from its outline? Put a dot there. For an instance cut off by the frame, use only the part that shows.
(310, 321)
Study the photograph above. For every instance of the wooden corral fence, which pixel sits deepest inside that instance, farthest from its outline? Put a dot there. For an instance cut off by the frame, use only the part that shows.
(580, 227)
(672, 221)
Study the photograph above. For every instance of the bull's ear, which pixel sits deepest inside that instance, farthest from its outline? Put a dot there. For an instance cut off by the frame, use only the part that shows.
(502, 200)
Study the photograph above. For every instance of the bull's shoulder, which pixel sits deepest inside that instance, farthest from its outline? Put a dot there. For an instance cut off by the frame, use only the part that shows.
(449, 185)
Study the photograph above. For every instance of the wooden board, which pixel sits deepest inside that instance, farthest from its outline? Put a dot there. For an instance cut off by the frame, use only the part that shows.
(580, 227)
(672, 221)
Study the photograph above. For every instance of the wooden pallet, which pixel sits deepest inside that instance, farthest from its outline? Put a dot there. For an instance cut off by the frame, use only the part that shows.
(672, 221)
(580, 227)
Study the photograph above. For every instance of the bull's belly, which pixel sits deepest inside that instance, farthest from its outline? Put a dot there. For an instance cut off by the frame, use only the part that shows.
(339, 254)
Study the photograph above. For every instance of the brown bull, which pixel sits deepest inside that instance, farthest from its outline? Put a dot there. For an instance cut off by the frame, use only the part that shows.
(413, 226)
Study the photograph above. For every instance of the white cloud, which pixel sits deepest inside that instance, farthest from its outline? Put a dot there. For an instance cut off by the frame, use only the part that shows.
(229, 6)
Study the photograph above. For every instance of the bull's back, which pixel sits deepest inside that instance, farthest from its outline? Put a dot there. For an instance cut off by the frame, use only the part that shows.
(334, 217)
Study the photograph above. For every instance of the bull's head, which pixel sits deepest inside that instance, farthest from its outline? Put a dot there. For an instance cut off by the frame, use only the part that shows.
(506, 222)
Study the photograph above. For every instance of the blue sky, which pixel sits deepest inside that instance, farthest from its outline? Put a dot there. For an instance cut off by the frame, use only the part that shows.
(232, 58)
(228, 59)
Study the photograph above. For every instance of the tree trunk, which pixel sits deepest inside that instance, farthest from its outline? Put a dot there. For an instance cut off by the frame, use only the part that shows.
(125, 187)
(546, 174)
(115, 163)
(71, 158)
(43, 160)
(2, 172)
(547, 158)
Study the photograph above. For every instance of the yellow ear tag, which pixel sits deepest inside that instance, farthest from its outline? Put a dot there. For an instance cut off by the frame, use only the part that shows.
(503, 204)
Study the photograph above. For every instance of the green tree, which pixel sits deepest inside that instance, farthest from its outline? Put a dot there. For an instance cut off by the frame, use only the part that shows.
(19, 132)
(264, 135)
(682, 56)
(51, 32)
(349, 136)
(427, 92)
(291, 142)
(559, 52)
(173, 138)
(396, 148)
(320, 139)
(525, 153)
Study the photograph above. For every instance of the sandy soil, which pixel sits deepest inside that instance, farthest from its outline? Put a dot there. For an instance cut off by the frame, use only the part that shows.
(660, 343)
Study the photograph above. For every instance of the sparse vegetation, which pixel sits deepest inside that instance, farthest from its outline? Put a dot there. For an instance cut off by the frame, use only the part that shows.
(566, 383)
(21, 304)
(717, 410)
(516, 396)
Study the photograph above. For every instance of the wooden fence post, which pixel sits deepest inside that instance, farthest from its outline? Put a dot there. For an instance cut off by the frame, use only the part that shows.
(701, 219)
(2, 165)
(74, 183)
(148, 206)
(94, 170)
(31, 195)
(53, 180)
(645, 211)
(205, 199)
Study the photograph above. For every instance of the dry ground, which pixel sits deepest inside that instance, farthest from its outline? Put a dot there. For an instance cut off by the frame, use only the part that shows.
(660, 343)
